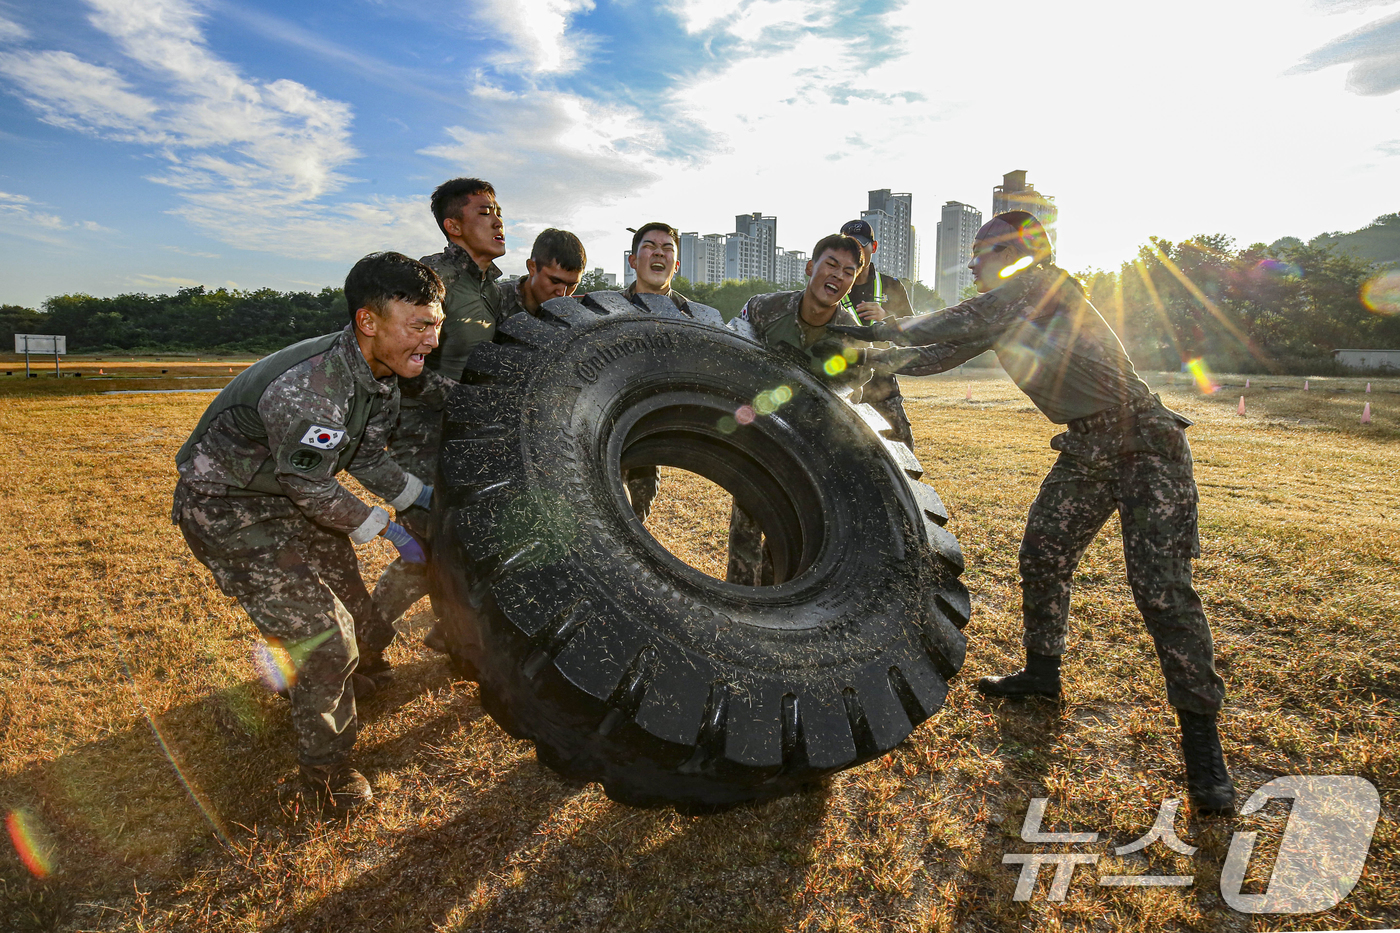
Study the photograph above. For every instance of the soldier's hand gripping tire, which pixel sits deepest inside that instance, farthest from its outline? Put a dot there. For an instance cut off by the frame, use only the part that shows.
(622, 663)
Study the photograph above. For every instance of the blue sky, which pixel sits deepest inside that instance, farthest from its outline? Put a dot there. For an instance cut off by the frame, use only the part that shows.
(150, 144)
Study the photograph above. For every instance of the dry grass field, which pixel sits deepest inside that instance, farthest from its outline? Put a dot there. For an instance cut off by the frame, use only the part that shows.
(145, 773)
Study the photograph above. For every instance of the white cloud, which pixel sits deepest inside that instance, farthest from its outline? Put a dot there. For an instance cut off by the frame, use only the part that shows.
(1373, 52)
(22, 216)
(537, 33)
(254, 162)
(11, 31)
(1140, 123)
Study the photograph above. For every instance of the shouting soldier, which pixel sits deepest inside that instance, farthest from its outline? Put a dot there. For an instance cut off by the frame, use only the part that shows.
(259, 503)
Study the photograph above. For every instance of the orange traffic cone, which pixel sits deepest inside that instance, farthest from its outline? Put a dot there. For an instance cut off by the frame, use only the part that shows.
(1366, 414)
(1240, 410)
(1246, 382)
(1305, 385)
(1368, 388)
(969, 392)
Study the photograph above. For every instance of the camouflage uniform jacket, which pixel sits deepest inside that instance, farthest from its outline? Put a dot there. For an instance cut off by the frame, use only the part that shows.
(677, 299)
(472, 306)
(319, 415)
(511, 300)
(777, 319)
(1047, 336)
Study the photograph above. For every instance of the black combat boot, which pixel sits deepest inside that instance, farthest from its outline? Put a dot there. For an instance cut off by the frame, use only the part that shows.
(1207, 779)
(374, 668)
(337, 787)
(1039, 678)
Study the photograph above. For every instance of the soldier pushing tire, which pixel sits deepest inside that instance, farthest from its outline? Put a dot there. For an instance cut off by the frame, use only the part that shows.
(622, 663)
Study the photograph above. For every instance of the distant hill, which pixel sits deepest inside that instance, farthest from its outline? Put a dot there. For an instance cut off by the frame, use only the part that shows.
(1379, 242)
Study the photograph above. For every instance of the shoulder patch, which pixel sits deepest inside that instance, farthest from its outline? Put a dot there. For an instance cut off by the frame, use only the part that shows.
(322, 438)
(306, 460)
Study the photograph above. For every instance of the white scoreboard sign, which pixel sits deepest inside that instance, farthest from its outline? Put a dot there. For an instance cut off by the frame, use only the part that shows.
(41, 343)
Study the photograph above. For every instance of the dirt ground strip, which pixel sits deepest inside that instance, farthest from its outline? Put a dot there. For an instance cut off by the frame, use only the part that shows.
(145, 771)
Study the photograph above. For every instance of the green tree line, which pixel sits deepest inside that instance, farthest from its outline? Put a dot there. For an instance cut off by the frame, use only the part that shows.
(1282, 307)
(193, 319)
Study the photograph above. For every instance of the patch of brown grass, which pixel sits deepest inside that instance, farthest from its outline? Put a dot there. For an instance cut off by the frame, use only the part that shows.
(155, 769)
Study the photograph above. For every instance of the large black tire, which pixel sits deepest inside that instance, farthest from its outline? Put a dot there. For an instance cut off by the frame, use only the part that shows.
(622, 663)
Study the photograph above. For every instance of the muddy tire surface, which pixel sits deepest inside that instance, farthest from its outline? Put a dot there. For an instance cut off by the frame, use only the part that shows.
(627, 666)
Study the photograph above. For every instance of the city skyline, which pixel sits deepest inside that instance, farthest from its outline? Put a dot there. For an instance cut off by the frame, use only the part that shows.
(156, 144)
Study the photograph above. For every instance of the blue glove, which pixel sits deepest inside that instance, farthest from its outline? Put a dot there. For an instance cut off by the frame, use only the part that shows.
(410, 547)
(425, 498)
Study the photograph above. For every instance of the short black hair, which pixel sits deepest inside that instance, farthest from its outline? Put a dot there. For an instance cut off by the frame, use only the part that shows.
(644, 229)
(842, 242)
(451, 196)
(561, 248)
(380, 278)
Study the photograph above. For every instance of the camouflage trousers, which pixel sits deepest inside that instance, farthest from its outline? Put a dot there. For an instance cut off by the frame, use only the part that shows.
(300, 584)
(642, 483)
(413, 446)
(750, 564)
(1144, 473)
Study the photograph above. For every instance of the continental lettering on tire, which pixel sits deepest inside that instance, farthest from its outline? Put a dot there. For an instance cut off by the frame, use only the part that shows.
(589, 369)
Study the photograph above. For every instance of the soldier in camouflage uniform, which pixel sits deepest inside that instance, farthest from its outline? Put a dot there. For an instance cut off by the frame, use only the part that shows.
(798, 322)
(1124, 452)
(654, 249)
(469, 217)
(875, 297)
(553, 271)
(259, 504)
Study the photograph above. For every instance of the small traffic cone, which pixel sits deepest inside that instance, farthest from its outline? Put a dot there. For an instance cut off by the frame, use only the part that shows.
(1240, 410)
(1366, 414)
(969, 391)
(1246, 382)
(100, 372)
(1368, 388)
(1305, 385)
(230, 369)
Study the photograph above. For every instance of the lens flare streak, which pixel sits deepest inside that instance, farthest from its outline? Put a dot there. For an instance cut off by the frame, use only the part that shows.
(1204, 382)
(195, 794)
(33, 849)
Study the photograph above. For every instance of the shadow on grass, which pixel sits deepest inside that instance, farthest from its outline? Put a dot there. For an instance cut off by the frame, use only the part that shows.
(140, 806)
(524, 854)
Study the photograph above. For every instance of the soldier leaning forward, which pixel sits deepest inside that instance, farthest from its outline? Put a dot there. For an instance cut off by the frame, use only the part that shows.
(553, 270)
(259, 504)
(798, 322)
(468, 215)
(1124, 452)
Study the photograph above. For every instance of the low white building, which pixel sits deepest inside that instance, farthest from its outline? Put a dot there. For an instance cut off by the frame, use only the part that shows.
(1368, 359)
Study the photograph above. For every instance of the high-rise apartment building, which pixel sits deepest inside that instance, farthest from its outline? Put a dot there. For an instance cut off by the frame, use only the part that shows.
(890, 217)
(956, 231)
(792, 267)
(764, 231)
(743, 258)
(1014, 194)
(702, 257)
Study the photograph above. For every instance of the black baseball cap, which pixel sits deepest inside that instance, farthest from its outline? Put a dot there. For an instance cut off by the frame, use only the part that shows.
(860, 230)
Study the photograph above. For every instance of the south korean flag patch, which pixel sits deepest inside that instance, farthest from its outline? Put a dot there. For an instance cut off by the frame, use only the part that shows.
(322, 438)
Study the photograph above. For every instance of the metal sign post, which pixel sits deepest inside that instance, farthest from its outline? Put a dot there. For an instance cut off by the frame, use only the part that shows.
(57, 344)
